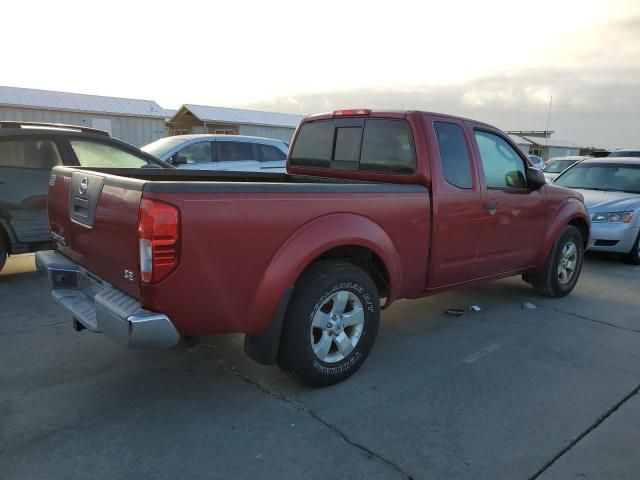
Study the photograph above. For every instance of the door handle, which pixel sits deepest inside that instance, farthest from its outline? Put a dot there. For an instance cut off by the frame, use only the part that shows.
(491, 206)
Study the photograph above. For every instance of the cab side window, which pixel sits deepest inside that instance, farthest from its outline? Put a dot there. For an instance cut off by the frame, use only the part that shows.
(32, 153)
(503, 167)
(456, 165)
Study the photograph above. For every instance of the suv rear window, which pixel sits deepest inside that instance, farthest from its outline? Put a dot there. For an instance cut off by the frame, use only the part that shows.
(40, 154)
(374, 145)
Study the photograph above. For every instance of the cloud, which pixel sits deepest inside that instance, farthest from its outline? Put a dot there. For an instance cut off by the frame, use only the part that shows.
(594, 77)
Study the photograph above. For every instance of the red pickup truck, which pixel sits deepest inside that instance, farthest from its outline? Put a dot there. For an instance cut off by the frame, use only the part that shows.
(376, 206)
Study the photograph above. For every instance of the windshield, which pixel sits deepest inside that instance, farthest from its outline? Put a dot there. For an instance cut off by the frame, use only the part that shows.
(558, 166)
(161, 147)
(593, 176)
(625, 153)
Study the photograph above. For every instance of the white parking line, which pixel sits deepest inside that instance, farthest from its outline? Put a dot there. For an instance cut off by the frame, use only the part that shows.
(485, 351)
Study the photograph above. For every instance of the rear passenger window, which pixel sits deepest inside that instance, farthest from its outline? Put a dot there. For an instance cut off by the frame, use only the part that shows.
(269, 153)
(39, 154)
(456, 167)
(234, 151)
(383, 145)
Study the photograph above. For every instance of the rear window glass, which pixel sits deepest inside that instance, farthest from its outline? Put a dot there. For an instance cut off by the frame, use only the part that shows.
(377, 145)
(456, 167)
(40, 154)
(347, 144)
(314, 144)
(100, 155)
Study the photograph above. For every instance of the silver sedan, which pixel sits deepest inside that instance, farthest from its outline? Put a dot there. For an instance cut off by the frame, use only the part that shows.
(611, 190)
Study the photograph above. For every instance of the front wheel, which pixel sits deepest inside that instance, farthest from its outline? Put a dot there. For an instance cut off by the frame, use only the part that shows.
(633, 257)
(330, 325)
(563, 267)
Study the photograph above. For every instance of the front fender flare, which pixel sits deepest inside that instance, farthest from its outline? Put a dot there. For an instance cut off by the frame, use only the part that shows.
(569, 210)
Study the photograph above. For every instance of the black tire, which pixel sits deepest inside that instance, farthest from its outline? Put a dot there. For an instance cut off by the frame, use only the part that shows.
(315, 297)
(4, 251)
(549, 282)
(633, 257)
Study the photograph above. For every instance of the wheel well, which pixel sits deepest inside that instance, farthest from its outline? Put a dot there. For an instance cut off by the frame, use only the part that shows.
(581, 225)
(364, 258)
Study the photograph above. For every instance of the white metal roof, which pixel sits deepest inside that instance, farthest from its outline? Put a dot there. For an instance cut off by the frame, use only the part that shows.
(519, 140)
(552, 142)
(250, 117)
(169, 113)
(50, 100)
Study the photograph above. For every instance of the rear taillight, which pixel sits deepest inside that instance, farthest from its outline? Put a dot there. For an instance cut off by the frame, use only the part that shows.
(159, 239)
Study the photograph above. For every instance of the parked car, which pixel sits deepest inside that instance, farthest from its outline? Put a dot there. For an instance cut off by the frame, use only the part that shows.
(221, 152)
(536, 161)
(28, 152)
(379, 204)
(625, 152)
(556, 165)
(611, 190)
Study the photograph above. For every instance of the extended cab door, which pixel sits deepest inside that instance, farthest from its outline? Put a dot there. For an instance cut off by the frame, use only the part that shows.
(457, 201)
(513, 215)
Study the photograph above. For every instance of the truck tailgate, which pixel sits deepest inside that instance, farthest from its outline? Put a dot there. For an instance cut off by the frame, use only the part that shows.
(94, 219)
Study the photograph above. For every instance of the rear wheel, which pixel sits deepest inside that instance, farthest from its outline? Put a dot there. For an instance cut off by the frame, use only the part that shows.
(563, 267)
(331, 323)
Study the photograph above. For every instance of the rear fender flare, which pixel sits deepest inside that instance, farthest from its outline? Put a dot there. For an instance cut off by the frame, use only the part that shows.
(308, 243)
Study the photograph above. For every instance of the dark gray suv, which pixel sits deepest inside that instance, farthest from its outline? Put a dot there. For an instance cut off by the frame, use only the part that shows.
(28, 152)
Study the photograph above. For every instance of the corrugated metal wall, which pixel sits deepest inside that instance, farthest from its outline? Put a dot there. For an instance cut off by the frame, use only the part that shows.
(281, 133)
(137, 131)
(562, 152)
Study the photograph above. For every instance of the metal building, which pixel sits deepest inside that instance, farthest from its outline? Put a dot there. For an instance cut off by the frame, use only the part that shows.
(137, 122)
(233, 121)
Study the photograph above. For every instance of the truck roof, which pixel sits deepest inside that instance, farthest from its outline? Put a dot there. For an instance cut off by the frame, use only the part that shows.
(385, 113)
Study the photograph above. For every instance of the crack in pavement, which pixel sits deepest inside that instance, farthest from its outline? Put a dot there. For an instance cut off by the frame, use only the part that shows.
(583, 317)
(300, 406)
(586, 432)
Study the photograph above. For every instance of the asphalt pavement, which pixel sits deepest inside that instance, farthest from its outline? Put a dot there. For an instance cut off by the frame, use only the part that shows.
(504, 393)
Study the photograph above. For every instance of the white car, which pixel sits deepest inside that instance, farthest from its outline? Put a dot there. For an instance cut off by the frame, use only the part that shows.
(625, 152)
(536, 161)
(611, 191)
(237, 153)
(556, 165)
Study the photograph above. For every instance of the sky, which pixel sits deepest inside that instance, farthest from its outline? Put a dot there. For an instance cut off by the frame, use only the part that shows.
(496, 61)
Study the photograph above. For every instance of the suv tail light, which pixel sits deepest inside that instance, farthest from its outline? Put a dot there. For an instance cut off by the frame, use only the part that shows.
(159, 239)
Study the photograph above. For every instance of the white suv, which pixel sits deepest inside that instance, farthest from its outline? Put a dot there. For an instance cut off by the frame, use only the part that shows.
(221, 152)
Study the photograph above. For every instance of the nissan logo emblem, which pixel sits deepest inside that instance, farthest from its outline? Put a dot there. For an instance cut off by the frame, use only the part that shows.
(84, 185)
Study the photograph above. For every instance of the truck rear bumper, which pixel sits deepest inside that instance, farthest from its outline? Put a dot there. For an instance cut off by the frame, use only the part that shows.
(100, 307)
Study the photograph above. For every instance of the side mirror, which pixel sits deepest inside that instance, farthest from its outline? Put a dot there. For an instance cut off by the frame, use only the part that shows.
(178, 160)
(535, 178)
